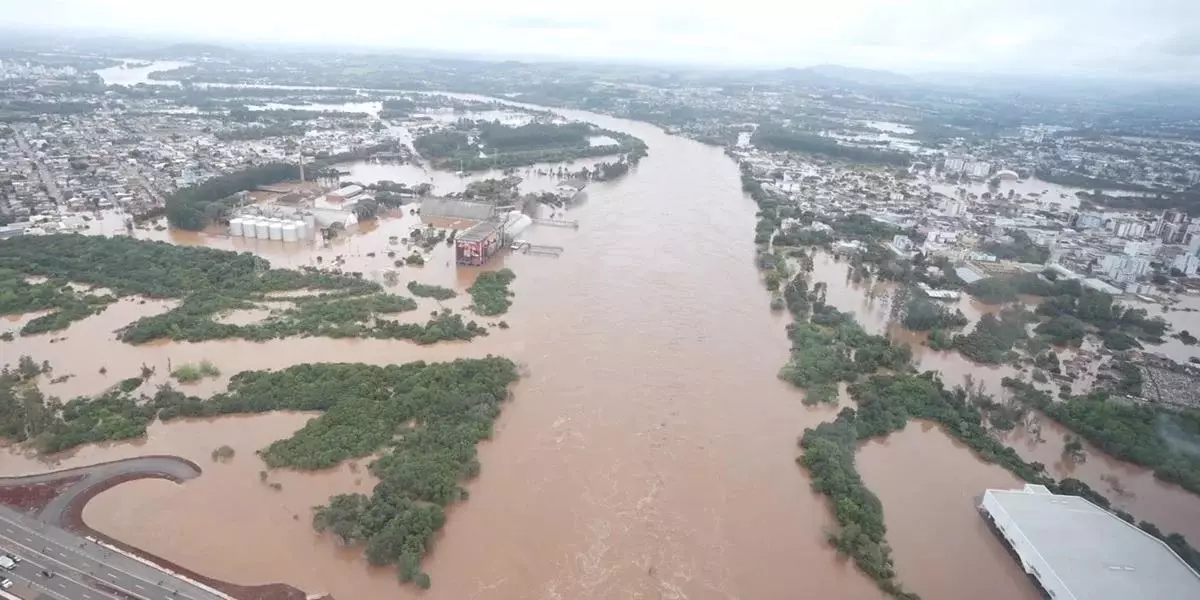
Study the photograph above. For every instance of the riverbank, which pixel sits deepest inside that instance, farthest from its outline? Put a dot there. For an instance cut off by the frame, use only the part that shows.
(650, 451)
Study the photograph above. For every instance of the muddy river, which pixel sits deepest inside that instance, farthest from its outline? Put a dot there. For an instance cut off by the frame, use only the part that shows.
(649, 453)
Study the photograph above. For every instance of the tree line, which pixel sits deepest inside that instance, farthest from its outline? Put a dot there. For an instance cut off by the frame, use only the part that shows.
(18, 296)
(828, 347)
(1129, 431)
(425, 418)
(490, 294)
(209, 282)
(1071, 310)
(194, 207)
(481, 145)
(780, 139)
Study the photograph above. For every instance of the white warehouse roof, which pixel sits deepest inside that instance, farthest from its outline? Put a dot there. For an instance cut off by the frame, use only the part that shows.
(1092, 554)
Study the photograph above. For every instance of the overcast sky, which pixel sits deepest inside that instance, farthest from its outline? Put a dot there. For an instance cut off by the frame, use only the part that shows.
(1112, 37)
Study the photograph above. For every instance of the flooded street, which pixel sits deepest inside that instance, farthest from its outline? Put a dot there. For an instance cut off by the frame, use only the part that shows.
(648, 454)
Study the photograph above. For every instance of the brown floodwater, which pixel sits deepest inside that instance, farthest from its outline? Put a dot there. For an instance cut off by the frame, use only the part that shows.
(1129, 487)
(942, 548)
(648, 453)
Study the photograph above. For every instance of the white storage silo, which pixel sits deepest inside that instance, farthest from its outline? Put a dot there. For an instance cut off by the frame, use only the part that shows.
(235, 227)
(289, 232)
(275, 230)
(299, 230)
(262, 230)
(248, 227)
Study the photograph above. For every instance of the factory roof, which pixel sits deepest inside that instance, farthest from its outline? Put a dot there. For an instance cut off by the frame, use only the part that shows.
(347, 191)
(457, 209)
(1092, 552)
(477, 232)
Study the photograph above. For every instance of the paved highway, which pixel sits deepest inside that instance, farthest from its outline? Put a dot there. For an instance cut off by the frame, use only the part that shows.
(84, 570)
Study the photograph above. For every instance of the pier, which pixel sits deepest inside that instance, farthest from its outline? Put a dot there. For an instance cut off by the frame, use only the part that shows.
(525, 247)
(557, 223)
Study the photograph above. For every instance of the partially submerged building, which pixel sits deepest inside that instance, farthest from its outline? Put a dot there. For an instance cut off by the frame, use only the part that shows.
(476, 245)
(1079, 551)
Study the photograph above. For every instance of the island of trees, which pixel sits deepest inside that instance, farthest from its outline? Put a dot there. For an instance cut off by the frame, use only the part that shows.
(423, 420)
(480, 145)
(67, 305)
(489, 294)
(209, 282)
(1071, 310)
(781, 139)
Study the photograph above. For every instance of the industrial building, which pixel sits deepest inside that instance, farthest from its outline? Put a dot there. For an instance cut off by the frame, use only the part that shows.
(344, 193)
(476, 245)
(1079, 551)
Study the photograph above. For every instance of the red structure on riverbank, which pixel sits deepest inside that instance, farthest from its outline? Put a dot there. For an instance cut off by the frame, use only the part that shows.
(476, 245)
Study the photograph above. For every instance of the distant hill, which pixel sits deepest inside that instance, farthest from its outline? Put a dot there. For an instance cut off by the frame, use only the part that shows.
(194, 50)
(827, 75)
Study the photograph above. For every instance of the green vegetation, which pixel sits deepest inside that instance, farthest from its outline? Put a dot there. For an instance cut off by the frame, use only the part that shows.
(941, 340)
(887, 402)
(397, 108)
(774, 138)
(190, 373)
(923, 314)
(26, 415)
(829, 346)
(489, 293)
(209, 282)
(1072, 311)
(1063, 330)
(992, 339)
(444, 326)
(194, 207)
(1123, 429)
(18, 296)
(222, 453)
(1021, 249)
(436, 292)
(993, 290)
(427, 419)
(500, 146)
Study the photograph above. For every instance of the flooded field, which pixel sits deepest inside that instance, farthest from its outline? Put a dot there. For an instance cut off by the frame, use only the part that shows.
(649, 453)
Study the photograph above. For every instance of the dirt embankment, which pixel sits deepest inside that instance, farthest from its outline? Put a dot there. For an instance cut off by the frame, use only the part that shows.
(59, 498)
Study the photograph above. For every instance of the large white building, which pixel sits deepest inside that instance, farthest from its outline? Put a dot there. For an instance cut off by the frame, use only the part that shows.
(1130, 228)
(1121, 267)
(1079, 551)
(978, 169)
(1188, 263)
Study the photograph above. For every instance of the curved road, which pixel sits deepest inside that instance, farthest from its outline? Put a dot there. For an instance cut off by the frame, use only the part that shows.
(99, 477)
(84, 569)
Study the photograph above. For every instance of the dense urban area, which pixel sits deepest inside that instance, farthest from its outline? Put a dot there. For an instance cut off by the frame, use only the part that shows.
(439, 265)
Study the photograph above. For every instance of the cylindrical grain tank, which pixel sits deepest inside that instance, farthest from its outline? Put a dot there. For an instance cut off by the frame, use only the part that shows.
(262, 230)
(235, 227)
(289, 232)
(248, 227)
(275, 230)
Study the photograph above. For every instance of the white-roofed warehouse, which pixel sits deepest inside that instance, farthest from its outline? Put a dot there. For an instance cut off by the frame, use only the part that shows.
(1079, 551)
